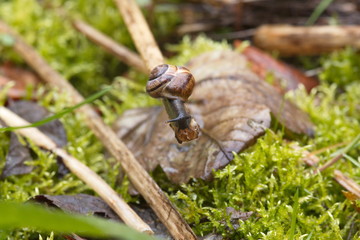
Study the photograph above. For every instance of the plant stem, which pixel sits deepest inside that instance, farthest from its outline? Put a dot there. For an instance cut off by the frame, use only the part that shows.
(140, 32)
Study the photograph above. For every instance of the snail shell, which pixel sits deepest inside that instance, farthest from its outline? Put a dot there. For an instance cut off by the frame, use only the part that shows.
(169, 81)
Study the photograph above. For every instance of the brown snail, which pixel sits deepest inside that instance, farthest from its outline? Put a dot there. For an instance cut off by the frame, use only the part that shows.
(174, 85)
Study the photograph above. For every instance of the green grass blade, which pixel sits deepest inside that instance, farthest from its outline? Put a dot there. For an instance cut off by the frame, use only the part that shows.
(318, 11)
(294, 215)
(17, 215)
(61, 113)
(310, 236)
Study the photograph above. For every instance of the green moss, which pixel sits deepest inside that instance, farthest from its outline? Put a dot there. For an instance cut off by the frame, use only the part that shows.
(341, 67)
(264, 179)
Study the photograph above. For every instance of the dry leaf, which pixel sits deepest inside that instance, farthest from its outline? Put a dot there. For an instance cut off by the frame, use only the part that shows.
(87, 204)
(22, 78)
(286, 77)
(231, 105)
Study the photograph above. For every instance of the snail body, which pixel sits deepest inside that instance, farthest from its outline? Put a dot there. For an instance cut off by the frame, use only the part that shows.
(171, 82)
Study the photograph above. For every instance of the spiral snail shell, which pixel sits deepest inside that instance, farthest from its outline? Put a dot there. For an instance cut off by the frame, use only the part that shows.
(171, 82)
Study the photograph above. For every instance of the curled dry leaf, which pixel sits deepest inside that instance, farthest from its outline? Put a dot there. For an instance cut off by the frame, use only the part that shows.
(80, 204)
(18, 153)
(231, 105)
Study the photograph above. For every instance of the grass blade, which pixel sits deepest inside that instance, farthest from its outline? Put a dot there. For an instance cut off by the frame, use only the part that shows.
(318, 11)
(17, 215)
(61, 113)
(294, 215)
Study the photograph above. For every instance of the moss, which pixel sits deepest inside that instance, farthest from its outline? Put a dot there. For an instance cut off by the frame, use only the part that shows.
(341, 67)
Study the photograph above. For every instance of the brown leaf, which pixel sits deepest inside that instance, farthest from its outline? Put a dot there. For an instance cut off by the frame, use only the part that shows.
(22, 78)
(79, 204)
(286, 77)
(232, 107)
(18, 153)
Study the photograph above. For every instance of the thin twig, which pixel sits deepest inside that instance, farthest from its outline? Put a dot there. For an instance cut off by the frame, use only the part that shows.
(141, 180)
(79, 169)
(140, 32)
(329, 163)
(324, 149)
(347, 183)
(341, 153)
(121, 52)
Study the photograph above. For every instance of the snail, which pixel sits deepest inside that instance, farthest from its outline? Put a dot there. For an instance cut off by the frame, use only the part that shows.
(174, 85)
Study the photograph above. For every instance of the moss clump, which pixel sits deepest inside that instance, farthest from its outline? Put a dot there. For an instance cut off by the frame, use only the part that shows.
(341, 67)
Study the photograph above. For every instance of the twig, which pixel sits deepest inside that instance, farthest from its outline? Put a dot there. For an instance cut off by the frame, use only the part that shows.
(141, 180)
(79, 169)
(329, 163)
(121, 52)
(140, 32)
(347, 183)
(321, 150)
(290, 40)
(150, 53)
(341, 153)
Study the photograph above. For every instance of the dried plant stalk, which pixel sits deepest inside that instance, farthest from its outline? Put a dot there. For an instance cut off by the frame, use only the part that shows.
(121, 52)
(347, 183)
(141, 180)
(140, 32)
(79, 169)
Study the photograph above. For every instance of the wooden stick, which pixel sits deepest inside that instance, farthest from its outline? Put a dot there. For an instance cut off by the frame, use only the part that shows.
(121, 52)
(80, 170)
(347, 183)
(140, 32)
(141, 180)
(291, 40)
(329, 163)
(324, 149)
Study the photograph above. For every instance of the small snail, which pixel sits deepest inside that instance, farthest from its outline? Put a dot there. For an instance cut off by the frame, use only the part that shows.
(174, 85)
